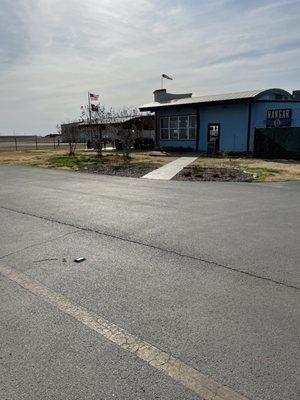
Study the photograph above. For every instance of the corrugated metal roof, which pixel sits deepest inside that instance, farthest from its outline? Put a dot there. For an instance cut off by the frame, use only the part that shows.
(105, 121)
(205, 99)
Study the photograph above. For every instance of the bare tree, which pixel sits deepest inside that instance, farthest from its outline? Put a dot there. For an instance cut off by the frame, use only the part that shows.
(71, 135)
(58, 129)
(125, 128)
(120, 124)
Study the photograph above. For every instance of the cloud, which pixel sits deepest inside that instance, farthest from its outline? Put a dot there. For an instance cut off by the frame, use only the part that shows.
(53, 52)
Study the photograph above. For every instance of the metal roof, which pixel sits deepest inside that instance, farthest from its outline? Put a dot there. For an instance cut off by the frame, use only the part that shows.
(210, 98)
(106, 121)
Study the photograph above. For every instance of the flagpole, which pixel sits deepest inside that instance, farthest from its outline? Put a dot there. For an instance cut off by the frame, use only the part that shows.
(162, 82)
(89, 100)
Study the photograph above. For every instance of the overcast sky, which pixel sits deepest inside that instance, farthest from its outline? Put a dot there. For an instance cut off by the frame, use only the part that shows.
(52, 52)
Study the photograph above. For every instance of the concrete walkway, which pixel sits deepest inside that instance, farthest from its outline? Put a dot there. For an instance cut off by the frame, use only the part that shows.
(166, 172)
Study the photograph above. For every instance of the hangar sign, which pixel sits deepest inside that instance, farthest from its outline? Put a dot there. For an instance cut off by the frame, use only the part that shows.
(279, 117)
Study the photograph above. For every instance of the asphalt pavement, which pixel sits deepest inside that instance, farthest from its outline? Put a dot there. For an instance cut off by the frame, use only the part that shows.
(206, 273)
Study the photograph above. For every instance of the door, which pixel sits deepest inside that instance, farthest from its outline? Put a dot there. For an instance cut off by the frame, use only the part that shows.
(213, 138)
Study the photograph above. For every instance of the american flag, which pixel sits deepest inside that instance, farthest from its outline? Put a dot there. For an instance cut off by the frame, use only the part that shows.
(94, 97)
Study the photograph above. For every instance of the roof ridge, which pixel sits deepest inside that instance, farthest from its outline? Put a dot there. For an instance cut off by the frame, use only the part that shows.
(230, 93)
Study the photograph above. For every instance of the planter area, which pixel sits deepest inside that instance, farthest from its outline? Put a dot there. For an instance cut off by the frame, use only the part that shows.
(134, 170)
(215, 174)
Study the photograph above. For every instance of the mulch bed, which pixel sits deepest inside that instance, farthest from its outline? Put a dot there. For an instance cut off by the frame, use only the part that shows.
(129, 170)
(197, 173)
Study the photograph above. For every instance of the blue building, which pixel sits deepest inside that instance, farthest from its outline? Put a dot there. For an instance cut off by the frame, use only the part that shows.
(221, 122)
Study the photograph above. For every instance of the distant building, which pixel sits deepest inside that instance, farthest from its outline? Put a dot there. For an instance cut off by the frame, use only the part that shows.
(53, 135)
(85, 131)
(227, 122)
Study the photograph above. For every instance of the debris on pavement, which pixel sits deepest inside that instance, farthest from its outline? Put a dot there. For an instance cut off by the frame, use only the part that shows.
(79, 259)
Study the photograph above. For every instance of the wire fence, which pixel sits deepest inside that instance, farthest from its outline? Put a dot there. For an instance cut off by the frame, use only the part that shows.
(10, 143)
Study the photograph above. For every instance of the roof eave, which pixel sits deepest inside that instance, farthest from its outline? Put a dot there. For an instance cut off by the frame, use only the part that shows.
(196, 103)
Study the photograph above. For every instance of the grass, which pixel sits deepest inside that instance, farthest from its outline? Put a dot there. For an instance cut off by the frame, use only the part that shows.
(263, 170)
(77, 162)
(82, 160)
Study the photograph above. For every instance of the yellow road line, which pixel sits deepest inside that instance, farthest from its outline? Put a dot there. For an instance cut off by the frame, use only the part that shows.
(188, 377)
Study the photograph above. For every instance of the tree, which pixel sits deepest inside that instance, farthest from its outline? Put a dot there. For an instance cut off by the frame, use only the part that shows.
(116, 122)
(122, 124)
(71, 134)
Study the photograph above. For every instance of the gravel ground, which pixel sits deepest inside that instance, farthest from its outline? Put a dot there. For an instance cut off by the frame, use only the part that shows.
(196, 173)
(130, 170)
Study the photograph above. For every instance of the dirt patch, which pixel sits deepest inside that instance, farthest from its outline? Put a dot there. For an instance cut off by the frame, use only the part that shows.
(223, 174)
(262, 170)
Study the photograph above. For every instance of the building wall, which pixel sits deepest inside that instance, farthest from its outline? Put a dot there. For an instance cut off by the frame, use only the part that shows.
(150, 134)
(259, 115)
(190, 144)
(233, 120)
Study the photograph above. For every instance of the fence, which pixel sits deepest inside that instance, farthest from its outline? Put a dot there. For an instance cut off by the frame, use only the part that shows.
(10, 143)
(277, 143)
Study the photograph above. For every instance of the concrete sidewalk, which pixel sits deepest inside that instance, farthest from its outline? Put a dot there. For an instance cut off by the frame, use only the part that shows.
(166, 172)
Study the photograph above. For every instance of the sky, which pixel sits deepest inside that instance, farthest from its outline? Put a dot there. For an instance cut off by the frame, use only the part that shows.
(52, 52)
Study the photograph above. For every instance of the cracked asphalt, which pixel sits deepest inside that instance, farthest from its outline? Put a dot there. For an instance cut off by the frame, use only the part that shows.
(206, 272)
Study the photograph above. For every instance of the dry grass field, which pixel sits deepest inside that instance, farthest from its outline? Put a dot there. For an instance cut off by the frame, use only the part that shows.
(60, 159)
(263, 170)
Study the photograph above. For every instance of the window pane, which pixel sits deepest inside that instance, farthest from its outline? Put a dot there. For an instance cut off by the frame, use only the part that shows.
(174, 122)
(213, 130)
(164, 133)
(174, 134)
(164, 122)
(192, 133)
(183, 133)
(192, 121)
(183, 122)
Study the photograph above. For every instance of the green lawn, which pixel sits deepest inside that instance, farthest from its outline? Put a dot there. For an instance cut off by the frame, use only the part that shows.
(77, 162)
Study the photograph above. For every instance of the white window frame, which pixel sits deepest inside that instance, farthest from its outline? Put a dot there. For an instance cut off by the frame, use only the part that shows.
(190, 135)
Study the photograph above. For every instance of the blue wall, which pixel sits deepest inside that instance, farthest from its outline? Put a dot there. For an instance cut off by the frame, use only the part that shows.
(179, 143)
(233, 120)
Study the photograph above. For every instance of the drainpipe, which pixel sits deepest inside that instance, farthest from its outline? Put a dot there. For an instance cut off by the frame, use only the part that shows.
(249, 126)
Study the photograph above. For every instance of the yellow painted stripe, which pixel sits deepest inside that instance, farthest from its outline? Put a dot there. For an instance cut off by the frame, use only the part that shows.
(188, 377)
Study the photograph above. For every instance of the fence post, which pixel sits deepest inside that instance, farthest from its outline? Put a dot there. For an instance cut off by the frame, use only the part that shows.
(36, 144)
(16, 145)
(54, 142)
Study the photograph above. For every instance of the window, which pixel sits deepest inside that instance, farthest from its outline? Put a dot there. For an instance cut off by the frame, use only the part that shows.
(178, 128)
(183, 127)
(192, 127)
(164, 126)
(174, 128)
